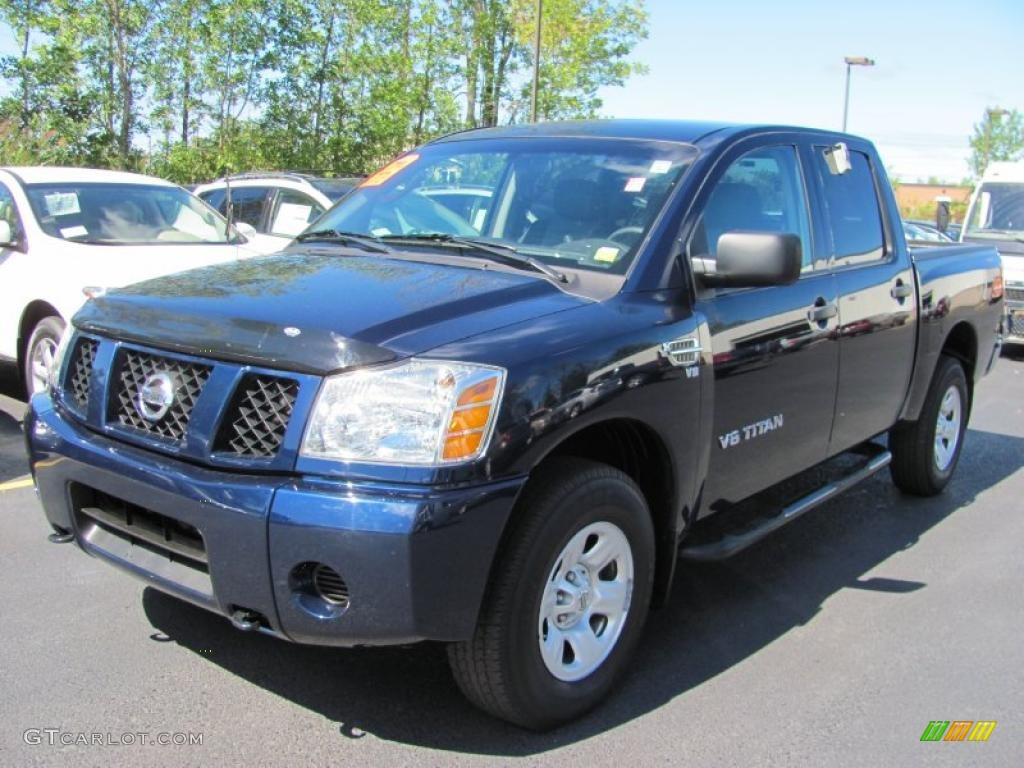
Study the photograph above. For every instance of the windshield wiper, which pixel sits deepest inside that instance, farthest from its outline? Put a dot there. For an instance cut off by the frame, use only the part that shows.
(499, 252)
(366, 242)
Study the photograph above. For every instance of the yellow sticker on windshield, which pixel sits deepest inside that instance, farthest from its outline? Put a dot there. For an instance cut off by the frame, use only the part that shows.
(389, 170)
(606, 253)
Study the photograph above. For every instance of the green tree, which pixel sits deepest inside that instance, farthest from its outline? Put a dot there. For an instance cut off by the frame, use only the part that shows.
(175, 70)
(585, 45)
(345, 93)
(322, 85)
(238, 47)
(999, 136)
(46, 115)
(491, 52)
(116, 39)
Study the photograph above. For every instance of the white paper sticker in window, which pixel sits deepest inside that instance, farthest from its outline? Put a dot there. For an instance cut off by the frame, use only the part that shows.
(291, 219)
(607, 254)
(61, 203)
(635, 184)
(68, 232)
(661, 166)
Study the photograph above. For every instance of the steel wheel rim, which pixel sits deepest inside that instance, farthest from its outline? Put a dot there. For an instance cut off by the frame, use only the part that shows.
(41, 361)
(947, 428)
(585, 602)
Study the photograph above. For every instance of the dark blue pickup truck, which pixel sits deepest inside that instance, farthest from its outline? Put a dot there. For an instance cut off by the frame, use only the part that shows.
(496, 394)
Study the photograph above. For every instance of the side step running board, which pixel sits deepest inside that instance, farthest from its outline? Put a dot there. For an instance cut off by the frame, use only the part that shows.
(731, 543)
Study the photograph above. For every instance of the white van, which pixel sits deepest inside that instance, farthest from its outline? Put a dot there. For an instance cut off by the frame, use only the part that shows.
(996, 216)
(65, 232)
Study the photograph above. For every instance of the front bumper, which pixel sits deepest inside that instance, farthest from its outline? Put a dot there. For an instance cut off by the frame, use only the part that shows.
(1014, 322)
(415, 559)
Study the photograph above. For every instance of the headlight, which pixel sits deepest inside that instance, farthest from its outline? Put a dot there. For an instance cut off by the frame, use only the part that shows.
(423, 412)
(53, 375)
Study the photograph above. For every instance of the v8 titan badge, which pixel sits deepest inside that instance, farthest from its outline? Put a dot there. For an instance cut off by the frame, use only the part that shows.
(750, 431)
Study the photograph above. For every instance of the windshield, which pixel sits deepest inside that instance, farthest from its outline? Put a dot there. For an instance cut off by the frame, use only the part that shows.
(998, 209)
(569, 202)
(121, 214)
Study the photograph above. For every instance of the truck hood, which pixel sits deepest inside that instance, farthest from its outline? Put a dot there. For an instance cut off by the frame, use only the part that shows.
(316, 313)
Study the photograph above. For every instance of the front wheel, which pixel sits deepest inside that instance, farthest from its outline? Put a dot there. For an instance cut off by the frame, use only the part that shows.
(567, 601)
(41, 353)
(925, 452)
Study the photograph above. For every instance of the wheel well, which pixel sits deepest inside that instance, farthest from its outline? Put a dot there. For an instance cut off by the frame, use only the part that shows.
(33, 313)
(962, 343)
(635, 449)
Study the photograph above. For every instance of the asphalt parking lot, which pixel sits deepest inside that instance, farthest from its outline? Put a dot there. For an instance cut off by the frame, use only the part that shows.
(834, 642)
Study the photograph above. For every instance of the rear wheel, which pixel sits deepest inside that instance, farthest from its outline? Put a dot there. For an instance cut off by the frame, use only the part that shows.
(41, 353)
(925, 452)
(567, 601)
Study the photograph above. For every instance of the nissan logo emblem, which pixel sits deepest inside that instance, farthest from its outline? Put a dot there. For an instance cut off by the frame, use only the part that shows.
(156, 396)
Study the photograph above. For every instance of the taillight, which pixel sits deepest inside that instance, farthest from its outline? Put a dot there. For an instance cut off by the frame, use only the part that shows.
(997, 285)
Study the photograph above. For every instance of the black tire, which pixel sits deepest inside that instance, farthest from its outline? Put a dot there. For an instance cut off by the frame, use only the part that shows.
(501, 669)
(917, 466)
(47, 331)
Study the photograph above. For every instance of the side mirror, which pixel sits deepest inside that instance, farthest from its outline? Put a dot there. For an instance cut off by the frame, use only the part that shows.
(6, 235)
(750, 259)
(248, 231)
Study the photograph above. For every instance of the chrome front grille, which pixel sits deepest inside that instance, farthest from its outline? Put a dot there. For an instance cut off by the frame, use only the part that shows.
(79, 375)
(135, 369)
(258, 416)
(220, 413)
(1015, 294)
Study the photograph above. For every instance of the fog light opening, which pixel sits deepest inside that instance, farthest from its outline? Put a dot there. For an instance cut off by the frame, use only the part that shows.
(319, 589)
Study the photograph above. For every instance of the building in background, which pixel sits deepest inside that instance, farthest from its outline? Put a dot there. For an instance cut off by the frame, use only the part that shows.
(918, 201)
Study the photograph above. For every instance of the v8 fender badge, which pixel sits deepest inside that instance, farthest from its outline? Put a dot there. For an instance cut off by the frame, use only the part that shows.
(749, 432)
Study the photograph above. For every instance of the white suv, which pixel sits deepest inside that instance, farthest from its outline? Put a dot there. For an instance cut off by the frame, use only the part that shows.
(276, 204)
(67, 232)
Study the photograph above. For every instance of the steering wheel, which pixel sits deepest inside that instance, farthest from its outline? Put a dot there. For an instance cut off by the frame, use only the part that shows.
(618, 233)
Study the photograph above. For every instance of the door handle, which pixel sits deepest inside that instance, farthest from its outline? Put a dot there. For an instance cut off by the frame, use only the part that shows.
(821, 313)
(901, 290)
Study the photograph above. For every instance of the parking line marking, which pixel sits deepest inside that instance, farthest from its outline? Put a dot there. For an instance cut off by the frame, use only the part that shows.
(18, 482)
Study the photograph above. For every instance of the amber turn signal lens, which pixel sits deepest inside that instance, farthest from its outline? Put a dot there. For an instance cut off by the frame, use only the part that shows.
(474, 410)
(460, 446)
(469, 419)
(997, 286)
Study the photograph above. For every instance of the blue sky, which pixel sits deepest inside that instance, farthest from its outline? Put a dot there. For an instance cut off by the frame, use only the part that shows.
(939, 64)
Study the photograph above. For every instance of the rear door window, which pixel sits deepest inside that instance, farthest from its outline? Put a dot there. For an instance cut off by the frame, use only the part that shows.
(852, 210)
(293, 212)
(247, 204)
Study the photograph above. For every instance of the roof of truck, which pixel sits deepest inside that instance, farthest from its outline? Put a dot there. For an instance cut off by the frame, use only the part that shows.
(684, 131)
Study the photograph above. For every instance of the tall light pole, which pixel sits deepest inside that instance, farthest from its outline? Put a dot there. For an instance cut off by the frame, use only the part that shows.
(536, 62)
(852, 61)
